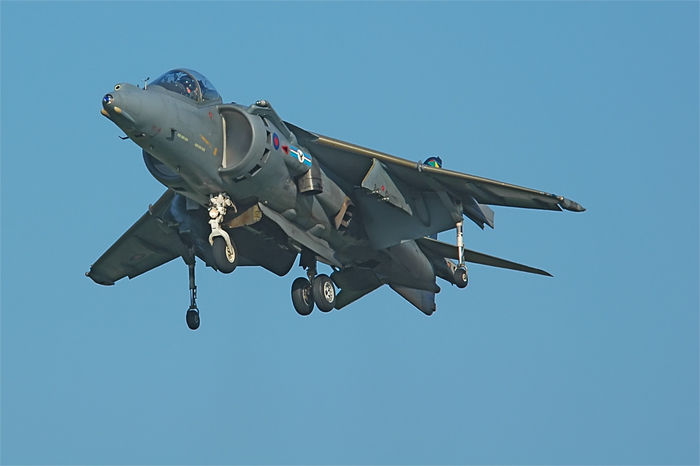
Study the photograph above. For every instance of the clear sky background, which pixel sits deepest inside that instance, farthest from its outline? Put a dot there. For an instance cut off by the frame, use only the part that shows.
(596, 101)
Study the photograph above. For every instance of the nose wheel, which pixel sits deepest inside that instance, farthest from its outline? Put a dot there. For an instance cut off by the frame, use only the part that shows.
(225, 255)
(223, 249)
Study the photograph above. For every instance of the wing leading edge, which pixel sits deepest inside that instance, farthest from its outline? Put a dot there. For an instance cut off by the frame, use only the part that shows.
(353, 162)
(149, 243)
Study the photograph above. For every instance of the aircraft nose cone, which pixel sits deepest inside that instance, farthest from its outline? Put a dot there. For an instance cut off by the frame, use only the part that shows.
(123, 105)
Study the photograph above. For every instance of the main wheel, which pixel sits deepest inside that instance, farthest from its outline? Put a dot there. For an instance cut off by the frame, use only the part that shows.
(302, 298)
(192, 319)
(461, 277)
(324, 292)
(226, 258)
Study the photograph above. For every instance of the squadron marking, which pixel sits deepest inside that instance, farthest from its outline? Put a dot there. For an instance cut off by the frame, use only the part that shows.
(300, 155)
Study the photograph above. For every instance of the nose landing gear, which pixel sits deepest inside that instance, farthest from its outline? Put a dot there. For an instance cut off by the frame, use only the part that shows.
(224, 251)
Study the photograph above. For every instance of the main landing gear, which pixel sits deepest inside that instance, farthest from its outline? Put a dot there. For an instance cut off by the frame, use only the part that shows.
(317, 289)
(460, 274)
(223, 249)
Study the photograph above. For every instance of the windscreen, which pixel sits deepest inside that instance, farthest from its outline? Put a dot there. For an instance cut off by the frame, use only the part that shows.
(188, 83)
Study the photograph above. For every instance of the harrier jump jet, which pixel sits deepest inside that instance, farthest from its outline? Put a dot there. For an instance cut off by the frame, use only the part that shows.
(246, 188)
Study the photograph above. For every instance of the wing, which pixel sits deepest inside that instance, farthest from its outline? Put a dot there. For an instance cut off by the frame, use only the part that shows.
(149, 243)
(353, 162)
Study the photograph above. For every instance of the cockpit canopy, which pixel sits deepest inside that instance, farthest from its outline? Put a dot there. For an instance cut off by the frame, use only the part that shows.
(188, 83)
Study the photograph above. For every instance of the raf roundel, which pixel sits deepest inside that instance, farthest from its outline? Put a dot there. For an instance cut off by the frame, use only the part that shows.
(275, 141)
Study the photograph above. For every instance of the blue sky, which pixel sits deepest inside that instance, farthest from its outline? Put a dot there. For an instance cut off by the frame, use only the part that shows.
(596, 101)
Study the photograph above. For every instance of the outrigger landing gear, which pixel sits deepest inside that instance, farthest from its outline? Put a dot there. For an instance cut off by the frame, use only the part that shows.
(460, 274)
(192, 313)
(223, 249)
(317, 289)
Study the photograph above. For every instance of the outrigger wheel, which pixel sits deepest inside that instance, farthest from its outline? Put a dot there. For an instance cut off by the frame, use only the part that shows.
(192, 315)
(461, 277)
(302, 296)
(324, 292)
(192, 319)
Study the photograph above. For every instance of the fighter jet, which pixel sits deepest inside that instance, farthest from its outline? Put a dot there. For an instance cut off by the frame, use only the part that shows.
(245, 188)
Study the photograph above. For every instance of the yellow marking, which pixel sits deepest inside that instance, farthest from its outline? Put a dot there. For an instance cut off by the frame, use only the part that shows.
(205, 141)
(199, 147)
(216, 150)
(184, 138)
(104, 112)
(117, 109)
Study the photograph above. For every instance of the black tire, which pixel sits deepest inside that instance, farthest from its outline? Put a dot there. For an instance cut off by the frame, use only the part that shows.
(324, 293)
(222, 257)
(302, 296)
(192, 319)
(461, 277)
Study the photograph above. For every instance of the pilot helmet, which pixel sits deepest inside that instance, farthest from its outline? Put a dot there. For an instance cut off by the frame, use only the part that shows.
(190, 86)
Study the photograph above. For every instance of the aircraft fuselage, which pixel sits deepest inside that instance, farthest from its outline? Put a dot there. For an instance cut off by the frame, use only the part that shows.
(201, 149)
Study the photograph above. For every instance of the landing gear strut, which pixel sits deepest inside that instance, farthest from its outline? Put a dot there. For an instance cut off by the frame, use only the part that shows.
(460, 274)
(192, 315)
(317, 289)
(223, 249)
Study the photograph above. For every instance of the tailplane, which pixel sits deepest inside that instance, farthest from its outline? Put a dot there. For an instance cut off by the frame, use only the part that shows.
(440, 253)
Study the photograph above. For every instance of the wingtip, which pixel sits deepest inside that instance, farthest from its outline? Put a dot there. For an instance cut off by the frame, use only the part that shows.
(570, 205)
(544, 273)
(99, 278)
